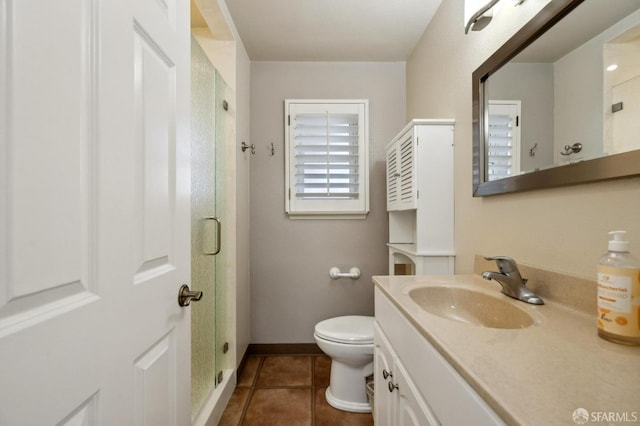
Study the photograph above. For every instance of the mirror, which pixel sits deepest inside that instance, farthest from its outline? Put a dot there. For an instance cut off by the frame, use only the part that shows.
(547, 113)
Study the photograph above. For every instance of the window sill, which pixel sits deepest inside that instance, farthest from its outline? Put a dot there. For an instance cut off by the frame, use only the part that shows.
(320, 215)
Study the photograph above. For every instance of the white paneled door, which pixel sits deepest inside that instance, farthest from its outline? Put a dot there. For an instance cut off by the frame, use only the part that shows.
(94, 212)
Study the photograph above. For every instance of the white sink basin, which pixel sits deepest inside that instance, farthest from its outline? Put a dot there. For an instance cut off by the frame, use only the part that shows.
(471, 307)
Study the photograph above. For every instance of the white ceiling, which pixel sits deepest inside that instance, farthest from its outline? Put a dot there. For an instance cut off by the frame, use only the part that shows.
(331, 30)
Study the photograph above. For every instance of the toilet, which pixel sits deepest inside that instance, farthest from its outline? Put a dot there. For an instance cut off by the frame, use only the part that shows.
(348, 341)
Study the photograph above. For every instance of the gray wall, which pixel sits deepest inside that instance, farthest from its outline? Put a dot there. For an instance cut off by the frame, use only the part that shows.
(290, 259)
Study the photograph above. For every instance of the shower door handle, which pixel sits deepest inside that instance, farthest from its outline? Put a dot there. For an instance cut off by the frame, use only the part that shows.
(218, 236)
(186, 296)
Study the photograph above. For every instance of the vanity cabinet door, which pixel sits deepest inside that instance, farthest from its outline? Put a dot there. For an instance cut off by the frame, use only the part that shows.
(410, 409)
(397, 400)
(382, 373)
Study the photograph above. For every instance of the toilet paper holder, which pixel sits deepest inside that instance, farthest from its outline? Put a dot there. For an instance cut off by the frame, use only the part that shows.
(335, 273)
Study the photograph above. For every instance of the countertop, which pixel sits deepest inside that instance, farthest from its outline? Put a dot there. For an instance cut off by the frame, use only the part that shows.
(537, 375)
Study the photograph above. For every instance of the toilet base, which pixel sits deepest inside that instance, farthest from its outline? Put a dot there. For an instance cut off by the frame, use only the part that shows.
(354, 407)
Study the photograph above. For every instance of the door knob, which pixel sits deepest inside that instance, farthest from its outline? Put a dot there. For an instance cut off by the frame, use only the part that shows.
(185, 296)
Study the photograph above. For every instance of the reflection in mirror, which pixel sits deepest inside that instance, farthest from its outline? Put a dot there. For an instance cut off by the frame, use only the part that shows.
(622, 92)
(570, 96)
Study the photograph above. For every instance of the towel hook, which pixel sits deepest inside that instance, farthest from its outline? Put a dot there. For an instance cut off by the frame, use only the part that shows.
(572, 149)
(244, 147)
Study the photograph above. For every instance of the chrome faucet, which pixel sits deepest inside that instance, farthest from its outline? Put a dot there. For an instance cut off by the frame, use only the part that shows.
(513, 285)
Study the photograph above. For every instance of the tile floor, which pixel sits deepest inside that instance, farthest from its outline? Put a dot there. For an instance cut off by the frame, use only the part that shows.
(286, 390)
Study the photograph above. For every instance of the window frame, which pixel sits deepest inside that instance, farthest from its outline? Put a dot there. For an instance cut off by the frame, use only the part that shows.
(328, 208)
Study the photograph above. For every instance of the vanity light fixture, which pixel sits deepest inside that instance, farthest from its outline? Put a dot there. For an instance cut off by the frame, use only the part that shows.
(481, 17)
(478, 13)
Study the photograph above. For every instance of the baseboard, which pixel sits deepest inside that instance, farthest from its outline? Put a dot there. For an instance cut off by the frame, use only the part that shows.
(283, 349)
(277, 349)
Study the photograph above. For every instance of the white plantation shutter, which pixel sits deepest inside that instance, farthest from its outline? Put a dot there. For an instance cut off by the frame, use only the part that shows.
(327, 163)
(326, 156)
(503, 140)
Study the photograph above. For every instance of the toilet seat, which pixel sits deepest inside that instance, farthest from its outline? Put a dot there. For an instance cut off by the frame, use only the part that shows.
(351, 329)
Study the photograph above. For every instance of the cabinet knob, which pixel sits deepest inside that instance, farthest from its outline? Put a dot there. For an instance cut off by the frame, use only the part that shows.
(392, 386)
(386, 374)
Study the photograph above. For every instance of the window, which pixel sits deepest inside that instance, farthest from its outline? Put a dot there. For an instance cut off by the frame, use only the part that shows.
(326, 163)
(503, 142)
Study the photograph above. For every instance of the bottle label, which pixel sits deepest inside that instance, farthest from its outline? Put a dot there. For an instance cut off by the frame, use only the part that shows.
(614, 292)
(619, 301)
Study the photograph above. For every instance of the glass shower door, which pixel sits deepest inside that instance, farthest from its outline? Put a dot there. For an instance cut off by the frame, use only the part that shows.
(222, 132)
(209, 128)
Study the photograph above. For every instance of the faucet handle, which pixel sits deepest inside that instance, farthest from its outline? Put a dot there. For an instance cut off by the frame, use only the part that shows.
(505, 264)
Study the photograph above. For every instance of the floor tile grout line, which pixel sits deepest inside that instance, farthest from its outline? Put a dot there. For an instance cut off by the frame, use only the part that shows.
(251, 389)
(313, 393)
(254, 382)
(245, 408)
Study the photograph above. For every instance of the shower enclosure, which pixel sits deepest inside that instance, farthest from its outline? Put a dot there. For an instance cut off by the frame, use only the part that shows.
(209, 326)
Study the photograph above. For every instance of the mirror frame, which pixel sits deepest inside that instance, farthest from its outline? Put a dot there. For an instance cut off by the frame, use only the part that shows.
(611, 167)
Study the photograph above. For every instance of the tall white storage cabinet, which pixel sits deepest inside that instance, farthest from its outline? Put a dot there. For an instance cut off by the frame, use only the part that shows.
(420, 198)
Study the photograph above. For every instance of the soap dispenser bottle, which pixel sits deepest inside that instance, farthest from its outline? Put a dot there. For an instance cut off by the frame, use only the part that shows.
(619, 293)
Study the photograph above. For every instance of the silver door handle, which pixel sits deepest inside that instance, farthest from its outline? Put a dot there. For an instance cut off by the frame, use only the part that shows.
(186, 296)
(218, 236)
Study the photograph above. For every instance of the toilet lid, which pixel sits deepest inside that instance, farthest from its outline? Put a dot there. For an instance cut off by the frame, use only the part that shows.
(353, 329)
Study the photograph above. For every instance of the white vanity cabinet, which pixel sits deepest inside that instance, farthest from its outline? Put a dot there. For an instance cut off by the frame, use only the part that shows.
(420, 198)
(429, 390)
(397, 402)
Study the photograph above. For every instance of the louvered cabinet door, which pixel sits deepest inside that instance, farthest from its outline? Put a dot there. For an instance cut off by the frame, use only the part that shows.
(393, 175)
(401, 173)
